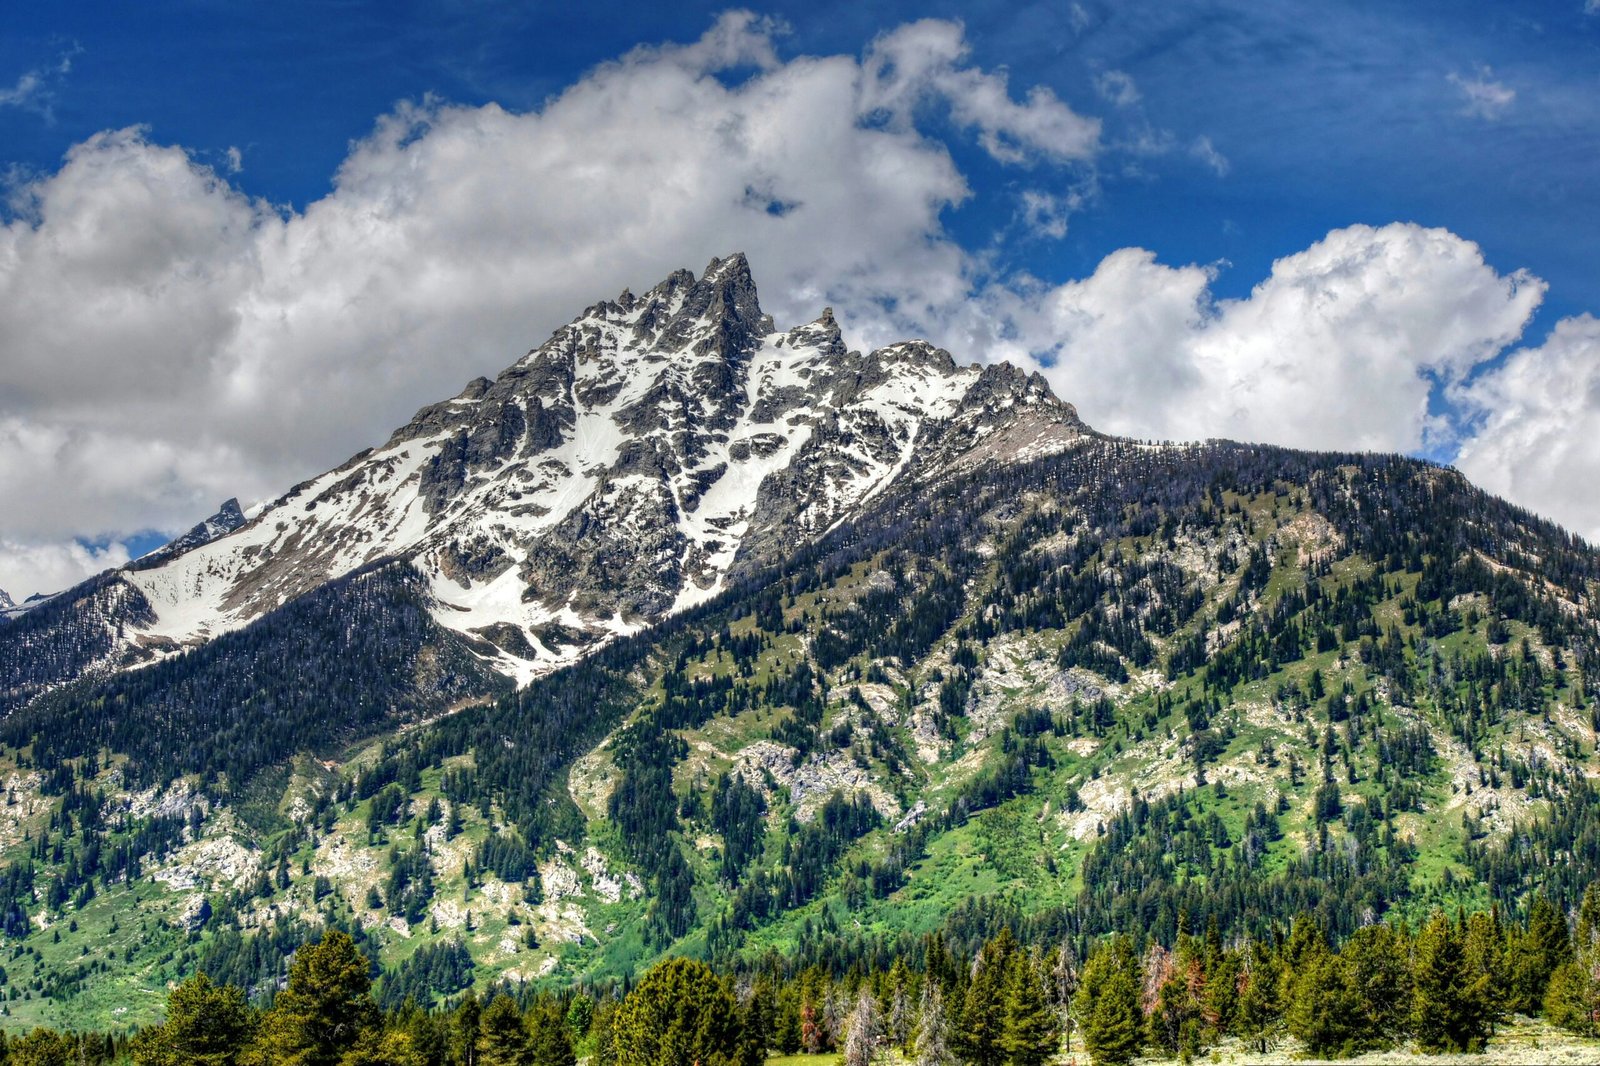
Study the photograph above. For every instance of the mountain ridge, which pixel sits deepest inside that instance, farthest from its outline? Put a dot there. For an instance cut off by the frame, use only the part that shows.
(625, 469)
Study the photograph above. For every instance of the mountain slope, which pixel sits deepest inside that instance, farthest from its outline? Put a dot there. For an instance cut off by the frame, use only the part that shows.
(937, 656)
(1091, 691)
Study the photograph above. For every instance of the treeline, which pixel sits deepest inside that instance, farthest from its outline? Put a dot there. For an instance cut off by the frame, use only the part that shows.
(363, 644)
(1446, 987)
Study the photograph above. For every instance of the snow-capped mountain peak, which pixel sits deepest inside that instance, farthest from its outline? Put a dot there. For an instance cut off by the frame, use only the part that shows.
(651, 449)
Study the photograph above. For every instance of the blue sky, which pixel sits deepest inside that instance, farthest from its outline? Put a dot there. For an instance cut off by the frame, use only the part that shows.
(1221, 139)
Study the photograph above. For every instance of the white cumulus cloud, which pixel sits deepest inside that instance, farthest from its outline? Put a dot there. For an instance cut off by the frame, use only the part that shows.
(171, 342)
(1340, 347)
(1537, 441)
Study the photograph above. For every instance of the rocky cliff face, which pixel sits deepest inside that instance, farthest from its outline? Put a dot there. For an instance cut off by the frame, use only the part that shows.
(651, 450)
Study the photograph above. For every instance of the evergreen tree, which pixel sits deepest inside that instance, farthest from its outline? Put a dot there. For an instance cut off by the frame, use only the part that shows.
(464, 1036)
(1107, 1003)
(502, 1035)
(384, 1047)
(1323, 1008)
(898, 1019)
(1221, 1001)
(1031, 1034)
(756, 1029)
(324, 1011)
(1377, 971)
(207, 1025)
(1176, 1021)
(603, 1035)
(679, 1015)
(1450, 1010)
(42, 1047)
(1572, 999)
(1486, 957)
(1261, 1003)
(982, 1013)
(1588, 940)
(1543, 948)
(550, 1041)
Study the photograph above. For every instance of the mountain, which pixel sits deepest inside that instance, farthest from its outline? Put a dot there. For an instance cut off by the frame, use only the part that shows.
(5, 601)
(685, 635)
(227, 519)
(650, 452)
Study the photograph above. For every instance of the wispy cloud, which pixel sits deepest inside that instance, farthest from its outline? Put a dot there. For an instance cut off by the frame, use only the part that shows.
(1046, 214)
(1203, 150)
(35, 90)
(1117, 87)
(1485, 97)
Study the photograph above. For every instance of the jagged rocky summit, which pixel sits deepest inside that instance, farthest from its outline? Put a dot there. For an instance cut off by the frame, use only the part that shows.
(651, 451)
(227, 519)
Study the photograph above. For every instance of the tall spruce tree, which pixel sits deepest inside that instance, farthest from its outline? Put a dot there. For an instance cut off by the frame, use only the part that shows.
(982, 1014)
(1543, 948)
(1377, 970)
(502, 1035)
(1450, 1003)
(549, 1038)
(207, 1025)
(1261, 1002)
(1032, 1033)
(1323, 1009)
(1107, 1003)
(324, 1011)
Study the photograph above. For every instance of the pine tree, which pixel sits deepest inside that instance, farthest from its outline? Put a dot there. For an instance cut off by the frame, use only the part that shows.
(1538, 953)
(602, 1034)
(756, 1030)
(1485, 949)
(550, 1040)
(1107, 1003)
(1323, 1008)
(1450, 1009)
(1378, 973)
(464, 1027)
(1588, 939)
(502, 1036)
(384, 1047)
(1031, 1034)
(897, 1022)
(678, 1015)
(207, 1025)
(1261, 1003)
(1572, 999)
(1221, 1002)
(324, 1011)
(978, 1040)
